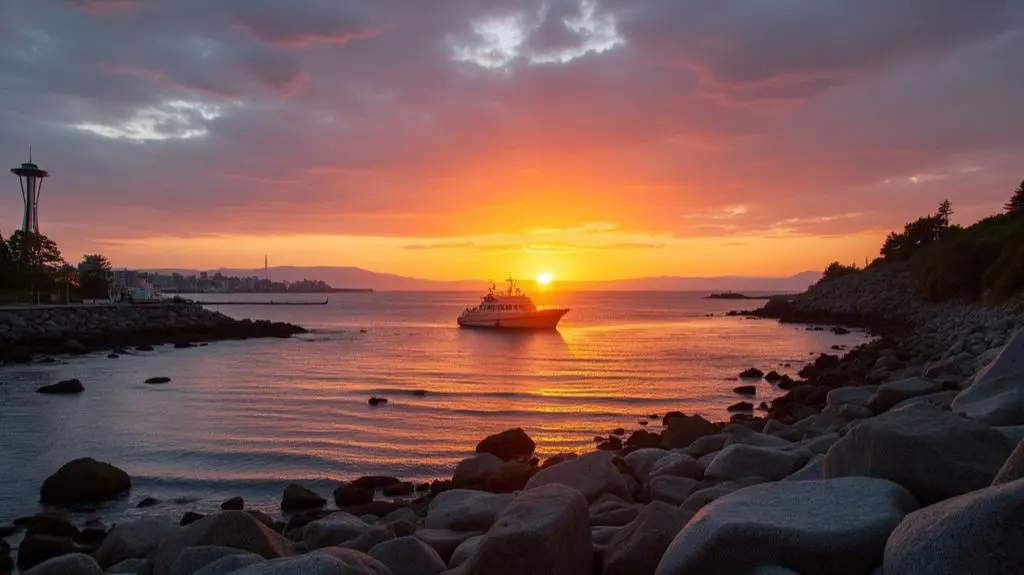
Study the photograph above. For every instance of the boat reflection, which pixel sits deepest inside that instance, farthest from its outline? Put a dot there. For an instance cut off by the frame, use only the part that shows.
(514, 343)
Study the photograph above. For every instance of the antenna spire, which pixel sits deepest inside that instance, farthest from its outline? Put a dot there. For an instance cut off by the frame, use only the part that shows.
(30, 154)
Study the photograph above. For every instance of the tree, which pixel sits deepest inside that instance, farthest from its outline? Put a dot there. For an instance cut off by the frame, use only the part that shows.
(837, 270)
(6, 266)
(1015, 207)
(36, 261)
(917, 234)
(94, 277)
(944, 213)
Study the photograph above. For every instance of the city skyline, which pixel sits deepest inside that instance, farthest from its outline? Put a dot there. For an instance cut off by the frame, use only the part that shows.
(585, 138)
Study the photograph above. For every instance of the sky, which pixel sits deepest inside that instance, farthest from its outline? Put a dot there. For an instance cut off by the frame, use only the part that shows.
(457, 139)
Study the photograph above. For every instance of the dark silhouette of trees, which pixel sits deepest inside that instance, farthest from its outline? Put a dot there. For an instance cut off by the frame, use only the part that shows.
(944, 213)
(916, 235)
(94, 277)
(1015, 207)
(6, 266)
(36, 262)
(836, 270)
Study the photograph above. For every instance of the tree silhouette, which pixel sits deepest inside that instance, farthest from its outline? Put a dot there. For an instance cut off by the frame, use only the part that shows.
(94, 277)
(36, 261)
(1015, 207)
(944, 213)
(916, 235)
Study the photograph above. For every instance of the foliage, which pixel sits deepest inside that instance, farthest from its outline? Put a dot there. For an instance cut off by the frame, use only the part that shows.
(1015, 207)
(6, 269)
(916, 235)
(94, 277)
(36, 261)
(837, 270)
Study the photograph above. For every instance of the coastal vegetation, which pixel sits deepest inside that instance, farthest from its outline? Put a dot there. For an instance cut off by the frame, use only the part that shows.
(33, 269)
(983, 262)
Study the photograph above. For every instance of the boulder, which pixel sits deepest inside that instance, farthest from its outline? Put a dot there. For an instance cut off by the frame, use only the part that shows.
(675, 465)
(1013, 467)
(133, 540)
(235, 529)
(130, 567)
(83, 481)
(488, 472)
(544, 530)
(444, 541)
(298, 497)
(70, 564)
(331, 561)
(193, 559)
(701, 497)
(613, 513)
(508, 444)
(231, 564)
(398, 489)
(811, 472)
(806, 526)
(465, 510)
(334, 529)
(234, 504)
(940, 400)
(158, 380)
(674, 490)
(996, 393)
(348, 494)
(979, 532)
(860, 396)
(708, 444)
(66, 387)
(637, 548)
(592, 475)
(373, 482)
(48, 523)
(408, 556)
(464, 551)
(758, 440)
(683, 430)
(934, 454)
(369, 539)
(36, 549)
(751, 373)
(642, 460)
(739, 461)
(891, 394)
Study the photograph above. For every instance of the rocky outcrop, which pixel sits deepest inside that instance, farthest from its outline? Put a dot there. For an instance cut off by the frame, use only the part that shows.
(297, 497)
(82, 328)
(235, 529)
(996, 393)
(66, 387)
(84, 480)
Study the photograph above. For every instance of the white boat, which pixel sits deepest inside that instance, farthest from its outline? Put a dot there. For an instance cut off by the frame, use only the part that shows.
(510, 309)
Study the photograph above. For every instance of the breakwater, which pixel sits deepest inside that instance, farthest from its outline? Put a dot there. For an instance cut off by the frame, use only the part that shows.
(76, 329)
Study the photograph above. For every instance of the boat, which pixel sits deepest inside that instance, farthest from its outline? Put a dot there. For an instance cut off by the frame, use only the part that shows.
(510, 309)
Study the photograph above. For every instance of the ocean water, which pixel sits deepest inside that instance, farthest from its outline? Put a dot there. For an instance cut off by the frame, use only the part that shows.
(246, 418)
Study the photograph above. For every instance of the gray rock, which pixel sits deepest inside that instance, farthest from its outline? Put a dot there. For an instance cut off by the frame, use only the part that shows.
(672, 490)
(934, 454)
(642, 460)
(637, 548)
(891, 394)
(334, 529)
(133, 540)
(739, 461)
(771, 570)
(851, 396)
(329, 561)
(613, 513)
(818, 445)
(444, 541)
(708, 444)
(131, 567)
(807, 526)
(940, 400)
(193, 559)
(682, 431)
(592, 475)
(544, 530)
(70, 564)
(979, 532)
(996, 394)
(602, 535)
(810, 472)
(408, 556)
(701, 497)
(675, 465)
(464, 551)
(465, 510)
(705, 460)
(759, 440)
(487, 469)
(235, 529)
(369, 539)
(1014, 432)
(1013, 467)
(231, 564)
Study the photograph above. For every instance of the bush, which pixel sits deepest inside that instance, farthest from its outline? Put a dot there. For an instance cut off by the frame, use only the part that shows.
(837, 270)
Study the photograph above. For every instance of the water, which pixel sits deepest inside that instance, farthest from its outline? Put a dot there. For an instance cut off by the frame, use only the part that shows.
(246, 418)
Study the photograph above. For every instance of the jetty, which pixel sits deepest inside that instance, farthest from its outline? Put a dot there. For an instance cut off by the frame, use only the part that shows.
(271, 302)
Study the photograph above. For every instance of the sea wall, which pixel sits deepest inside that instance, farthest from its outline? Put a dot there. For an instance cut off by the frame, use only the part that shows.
(82, 328)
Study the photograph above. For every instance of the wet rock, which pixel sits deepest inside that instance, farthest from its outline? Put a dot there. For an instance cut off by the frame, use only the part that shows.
(233, 504)
(35, 549)
(375, 481)
(398, 489)
(48, 523)
(642, 438)
(408, 556)
(190, 517)
(377, 400)
(335, 529)
(82, 481)
(349, 494)
(235, 529)
(809, 526)
(934, 454)
(70, 564)
(133, 540)
(508, 444)
(618, 431)
(752, 373)
(977, 532)
(66, 387)
(544, 530)
(296, 497)
(637, 548)
(684, 430)
(741, 406)
(611, 444)
(745, 390)
(773, 377)
(592, 475)
(158, 380)
(465, 510)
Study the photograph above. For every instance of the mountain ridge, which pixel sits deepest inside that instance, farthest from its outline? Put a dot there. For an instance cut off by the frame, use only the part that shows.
(354, 277)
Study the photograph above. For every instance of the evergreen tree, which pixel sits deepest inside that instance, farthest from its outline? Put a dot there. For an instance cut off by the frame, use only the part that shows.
(944, 213)
(6, 266)
(36, 260)
(94, 277)
(1015, 207)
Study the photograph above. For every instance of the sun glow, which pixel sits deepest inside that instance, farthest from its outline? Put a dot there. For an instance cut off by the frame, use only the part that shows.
(544, 278)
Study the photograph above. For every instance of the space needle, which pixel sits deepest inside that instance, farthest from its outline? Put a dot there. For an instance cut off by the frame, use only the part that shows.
(30, 176)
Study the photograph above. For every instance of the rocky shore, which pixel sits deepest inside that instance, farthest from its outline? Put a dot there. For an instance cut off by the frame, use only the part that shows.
(904, 456)
(31, 332)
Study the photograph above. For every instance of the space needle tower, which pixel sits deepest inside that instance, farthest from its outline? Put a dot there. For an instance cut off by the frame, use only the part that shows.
(31, 179)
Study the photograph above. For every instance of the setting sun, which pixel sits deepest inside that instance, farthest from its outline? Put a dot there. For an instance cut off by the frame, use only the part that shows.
(544, 278)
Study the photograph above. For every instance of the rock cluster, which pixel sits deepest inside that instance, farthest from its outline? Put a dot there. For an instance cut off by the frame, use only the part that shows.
(81, 329)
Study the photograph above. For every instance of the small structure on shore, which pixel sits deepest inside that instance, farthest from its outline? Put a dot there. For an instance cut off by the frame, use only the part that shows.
(30, 176)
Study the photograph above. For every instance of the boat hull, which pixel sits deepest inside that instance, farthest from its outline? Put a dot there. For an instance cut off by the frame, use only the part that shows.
(538, 320)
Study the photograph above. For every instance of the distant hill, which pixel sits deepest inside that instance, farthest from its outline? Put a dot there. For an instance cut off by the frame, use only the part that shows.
(352, 277)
